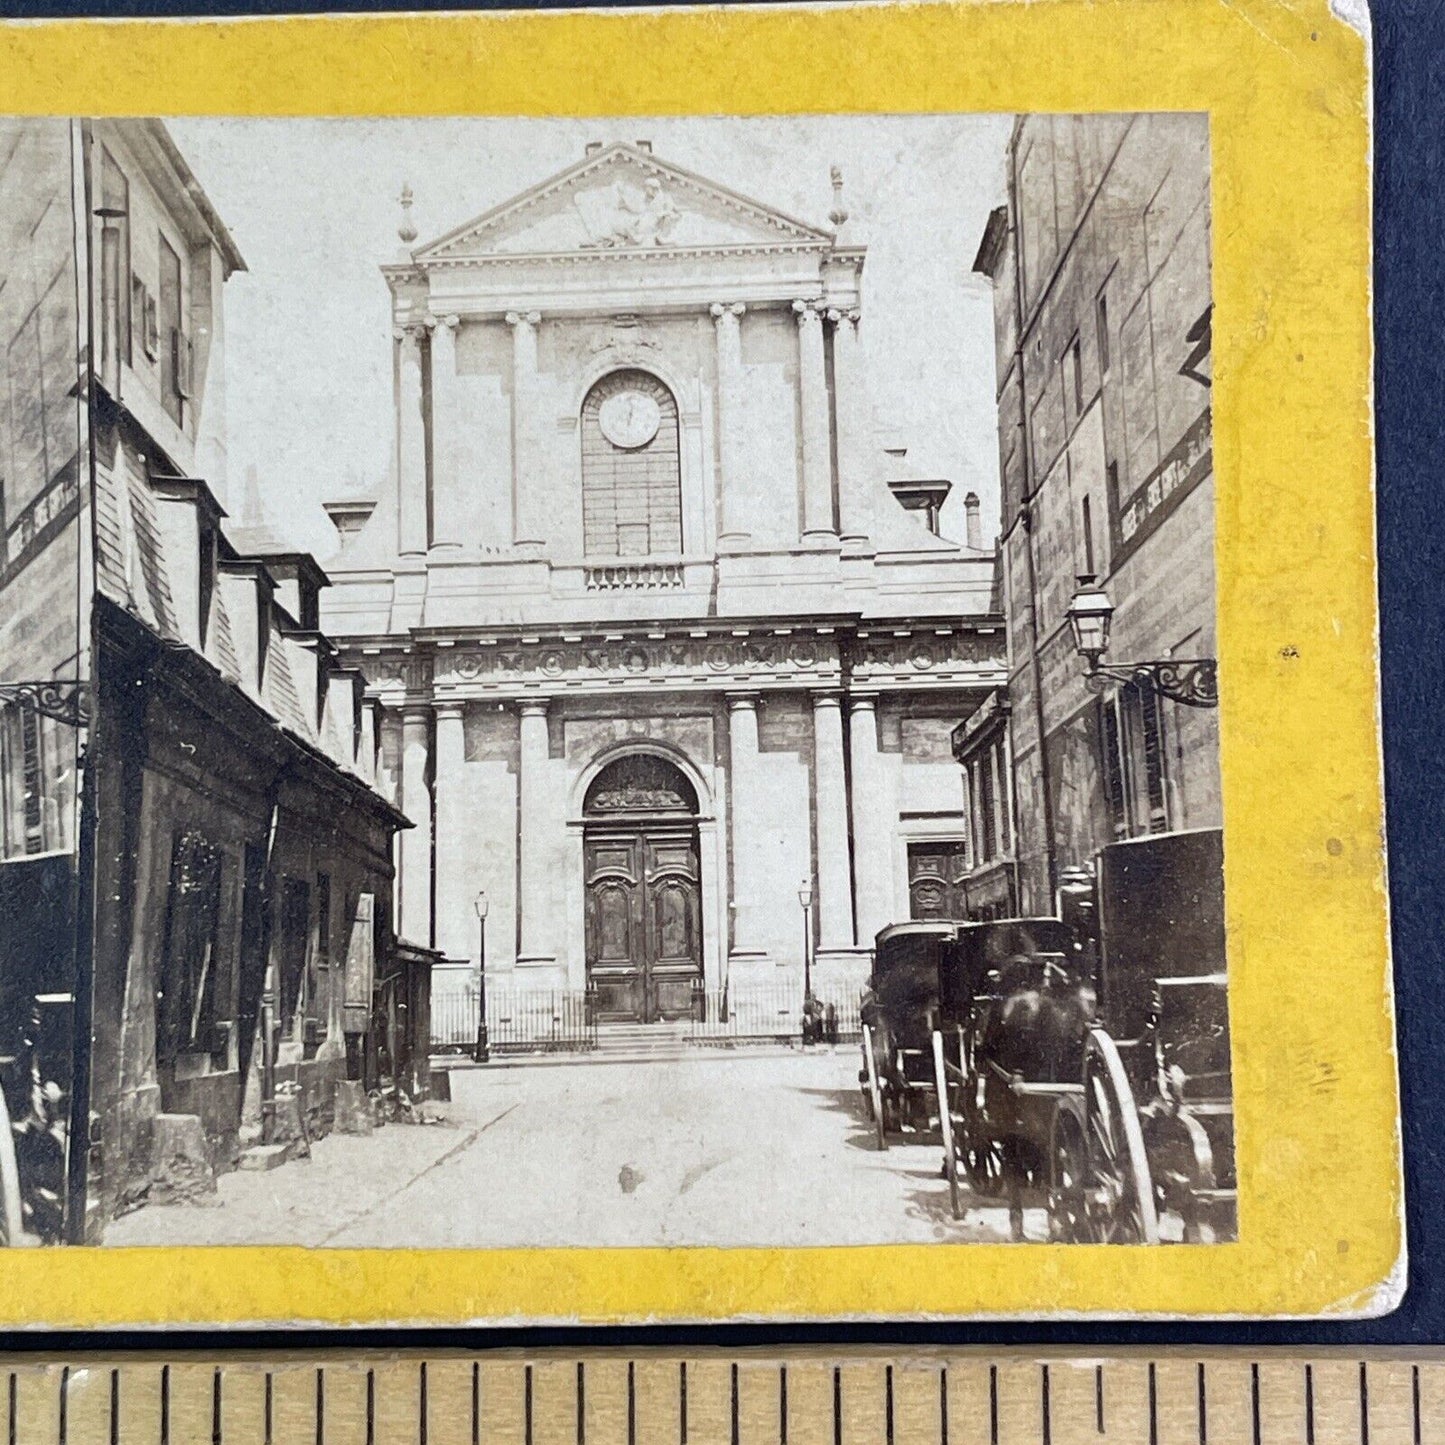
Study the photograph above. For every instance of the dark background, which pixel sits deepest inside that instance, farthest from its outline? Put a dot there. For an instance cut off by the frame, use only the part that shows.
(1409, 97)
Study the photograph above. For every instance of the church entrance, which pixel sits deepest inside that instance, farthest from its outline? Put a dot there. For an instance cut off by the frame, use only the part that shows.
(644, 905)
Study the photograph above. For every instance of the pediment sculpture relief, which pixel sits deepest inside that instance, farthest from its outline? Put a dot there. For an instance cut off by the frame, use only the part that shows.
(625, 215)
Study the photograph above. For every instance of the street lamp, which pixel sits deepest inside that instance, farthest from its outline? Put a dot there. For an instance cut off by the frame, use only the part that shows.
(1191, 681)
(805, 900)
(483, 1050)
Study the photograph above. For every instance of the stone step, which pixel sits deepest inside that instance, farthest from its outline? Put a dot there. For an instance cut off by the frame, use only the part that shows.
(263, 1156)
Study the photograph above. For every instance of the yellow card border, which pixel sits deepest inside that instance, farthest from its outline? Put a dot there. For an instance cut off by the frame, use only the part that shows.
(1286, 87)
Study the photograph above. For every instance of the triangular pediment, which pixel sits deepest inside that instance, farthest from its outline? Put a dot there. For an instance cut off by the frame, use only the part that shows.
(622, 200)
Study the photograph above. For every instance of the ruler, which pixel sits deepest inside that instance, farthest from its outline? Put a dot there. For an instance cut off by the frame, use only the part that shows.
(666, 1398)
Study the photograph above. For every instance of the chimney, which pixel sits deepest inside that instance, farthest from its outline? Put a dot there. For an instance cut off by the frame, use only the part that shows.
(594, 147)
(645, 146)
(972, 527)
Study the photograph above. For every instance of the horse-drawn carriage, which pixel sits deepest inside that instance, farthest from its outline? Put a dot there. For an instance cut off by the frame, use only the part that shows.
(1087, 1056)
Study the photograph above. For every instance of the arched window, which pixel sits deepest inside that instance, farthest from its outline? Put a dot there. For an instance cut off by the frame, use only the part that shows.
(631, 468)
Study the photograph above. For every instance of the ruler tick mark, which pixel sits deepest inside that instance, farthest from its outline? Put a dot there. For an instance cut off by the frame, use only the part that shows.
(1153, 1407)
(1044, 1411)
(14, 1408)
(527, 1405)
(421, 1410)
(1309, 1405)
(64, 1423)
(631, 1403)
(1364, 1404)
(734, 1409)
(115, 1407)
(1415, 1401)
(370, 1406)
(943, 1406)
(993, 1404)
(166, 1407)
(581, 1400)
(216, 1409)
(1253, 1399)
(1099, 1399)
(783, 1405)
(837, 1406)
(888, 1405)
(476, 1402)
(682, 1402)
(1203, 1407)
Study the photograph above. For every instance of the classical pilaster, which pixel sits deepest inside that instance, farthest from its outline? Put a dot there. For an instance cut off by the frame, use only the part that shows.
(850, 412)
(415, 924)
(817, 448)
(830, 824)
(455, 924)
(534, 891)
(411, 520)
(748, 887)
(529, 496)
(447, 509)
(873, 823)
(727, 319)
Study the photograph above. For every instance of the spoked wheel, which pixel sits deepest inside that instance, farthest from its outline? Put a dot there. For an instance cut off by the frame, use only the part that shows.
(945, 1125)
(12, 1219)
(1068, 1175)
(875, 1093)
(1119, 1192)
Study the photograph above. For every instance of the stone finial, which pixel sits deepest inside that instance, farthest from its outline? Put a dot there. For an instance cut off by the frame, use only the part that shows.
(839, 214)
(407, 229)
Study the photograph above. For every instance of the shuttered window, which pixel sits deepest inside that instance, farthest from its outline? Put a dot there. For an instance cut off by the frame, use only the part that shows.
(631, 495)
(1114, 791)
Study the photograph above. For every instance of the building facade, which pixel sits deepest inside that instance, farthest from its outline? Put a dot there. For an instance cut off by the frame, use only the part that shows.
(197, 868)
(658, 649)
(1100, 266)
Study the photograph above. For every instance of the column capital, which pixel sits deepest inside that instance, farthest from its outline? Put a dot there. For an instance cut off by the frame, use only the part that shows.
(840, 317)
(416, 712)
(442, 324)
(719, 310)
(449, 711)
(862, 701)
(827, 697)
(808, 311)
(412, 334)
(523, 318)
(534, 707)
(742, 701)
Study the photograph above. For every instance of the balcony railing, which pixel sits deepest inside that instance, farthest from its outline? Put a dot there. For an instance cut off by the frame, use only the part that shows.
(633, 577)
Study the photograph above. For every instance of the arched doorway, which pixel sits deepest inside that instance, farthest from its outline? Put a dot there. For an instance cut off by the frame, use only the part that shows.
(643, 882)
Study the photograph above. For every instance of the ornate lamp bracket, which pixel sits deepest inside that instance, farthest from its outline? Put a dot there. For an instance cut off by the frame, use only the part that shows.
(64, 700)
(1194, 682)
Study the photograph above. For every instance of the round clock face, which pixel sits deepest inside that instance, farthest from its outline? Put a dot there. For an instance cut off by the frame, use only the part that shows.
(629, 419)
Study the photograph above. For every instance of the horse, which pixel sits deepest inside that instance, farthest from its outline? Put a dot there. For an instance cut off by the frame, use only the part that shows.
(1032, 1030)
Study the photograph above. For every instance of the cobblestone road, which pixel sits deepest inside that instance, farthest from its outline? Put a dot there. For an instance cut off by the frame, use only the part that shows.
(717, 1149)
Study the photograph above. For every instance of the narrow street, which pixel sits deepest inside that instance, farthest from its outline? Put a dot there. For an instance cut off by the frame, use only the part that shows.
(666, 1152)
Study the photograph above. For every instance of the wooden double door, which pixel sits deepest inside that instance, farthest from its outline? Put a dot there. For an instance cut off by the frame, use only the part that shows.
(644, 913)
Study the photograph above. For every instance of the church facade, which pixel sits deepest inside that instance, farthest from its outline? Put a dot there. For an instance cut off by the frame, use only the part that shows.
(666, 666)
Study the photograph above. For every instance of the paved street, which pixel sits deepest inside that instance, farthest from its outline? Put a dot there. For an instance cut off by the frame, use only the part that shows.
(719, 1148)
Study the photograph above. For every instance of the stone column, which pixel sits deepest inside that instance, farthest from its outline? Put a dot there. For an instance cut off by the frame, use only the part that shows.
(529, 499)
(817, 448)
(732, 528)
(414, 923)
(873, 822)
(747, 884)
(447, 508)
(411, 510)
(534, 895)
(850, 401)
(455, 922)
(830, 821)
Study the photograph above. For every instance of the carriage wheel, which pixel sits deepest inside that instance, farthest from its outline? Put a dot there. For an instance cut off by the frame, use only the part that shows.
(1120, 1190)
(875, 1094)
(1068, 1175)
(12, 1229)
(945, 1124)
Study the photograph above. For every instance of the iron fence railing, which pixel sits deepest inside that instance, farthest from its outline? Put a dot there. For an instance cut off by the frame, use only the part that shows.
(757, 1010)
(518, 1022)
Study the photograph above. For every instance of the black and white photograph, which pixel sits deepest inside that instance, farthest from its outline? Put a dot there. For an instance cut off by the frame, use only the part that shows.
(633, 681)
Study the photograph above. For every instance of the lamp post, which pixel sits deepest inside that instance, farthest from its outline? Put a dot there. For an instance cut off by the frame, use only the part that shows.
(483, 1050)
(1191, 681)
(805, 900)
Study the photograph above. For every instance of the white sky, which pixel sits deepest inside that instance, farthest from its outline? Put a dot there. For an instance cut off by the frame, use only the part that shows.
(312, 205)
